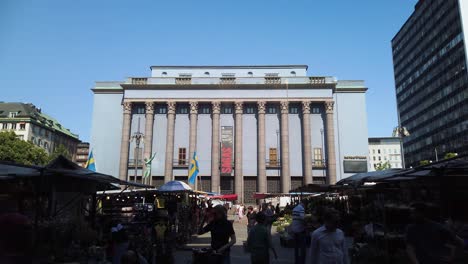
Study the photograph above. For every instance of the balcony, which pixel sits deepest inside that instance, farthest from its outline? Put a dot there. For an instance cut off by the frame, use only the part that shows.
(132, 163)
(139, 81)
(272, 164)
(180, 163)
(183, 80)
(319, 164)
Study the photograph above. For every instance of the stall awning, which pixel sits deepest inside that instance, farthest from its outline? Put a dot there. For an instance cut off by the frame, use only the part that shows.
(227, 197)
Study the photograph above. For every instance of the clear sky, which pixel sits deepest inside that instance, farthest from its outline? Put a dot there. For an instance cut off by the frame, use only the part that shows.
(51, 52)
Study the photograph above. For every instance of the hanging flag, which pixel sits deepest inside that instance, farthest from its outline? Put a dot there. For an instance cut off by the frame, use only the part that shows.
(90, 165)
(193, 170)
(148, 166)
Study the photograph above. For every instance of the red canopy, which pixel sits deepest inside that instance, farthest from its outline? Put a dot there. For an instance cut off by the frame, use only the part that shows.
(229, 197)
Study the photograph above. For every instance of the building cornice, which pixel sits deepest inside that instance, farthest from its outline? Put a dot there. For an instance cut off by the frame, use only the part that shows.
(292, 66)
(225, 86)
(231, 100)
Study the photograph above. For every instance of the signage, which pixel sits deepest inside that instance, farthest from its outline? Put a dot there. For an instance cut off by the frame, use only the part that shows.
(355, 166)
(226, 150)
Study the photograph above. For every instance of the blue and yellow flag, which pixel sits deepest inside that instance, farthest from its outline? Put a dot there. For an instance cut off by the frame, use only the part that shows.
(193, 170)
(90, 165)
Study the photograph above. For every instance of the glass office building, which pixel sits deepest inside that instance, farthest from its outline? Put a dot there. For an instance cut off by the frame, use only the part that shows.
(431, 79)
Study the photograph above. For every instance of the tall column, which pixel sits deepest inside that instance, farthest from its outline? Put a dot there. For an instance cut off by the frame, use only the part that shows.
(262, 179)
(306, 143)
(285, 176)
(193, 134)
(125, 143)
(148, 139)
(215, 156)
(238, 177)
(171, 110)
(330, 131)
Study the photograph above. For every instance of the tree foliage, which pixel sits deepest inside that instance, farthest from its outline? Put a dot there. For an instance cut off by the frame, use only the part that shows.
(383, 166)
(20, 151)
(60, 150)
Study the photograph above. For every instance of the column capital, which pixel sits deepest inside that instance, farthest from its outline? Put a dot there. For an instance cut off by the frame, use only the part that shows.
(193, 107)
(329, 107)
(171, 107)
(261, 107)
(127, 107)
(306, 107)
(149, 107)
(238, 105)
(216, 107)
(284, 107)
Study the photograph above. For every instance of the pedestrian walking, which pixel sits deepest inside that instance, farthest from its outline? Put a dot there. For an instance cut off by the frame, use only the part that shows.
(222, 234)
(259, 242)
(328, 242)
(297, 228)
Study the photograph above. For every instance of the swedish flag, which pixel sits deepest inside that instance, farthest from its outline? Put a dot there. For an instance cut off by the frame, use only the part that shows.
(193, 170)
(90, 165)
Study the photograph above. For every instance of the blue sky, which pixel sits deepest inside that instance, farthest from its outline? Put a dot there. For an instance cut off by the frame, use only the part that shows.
(51, 52)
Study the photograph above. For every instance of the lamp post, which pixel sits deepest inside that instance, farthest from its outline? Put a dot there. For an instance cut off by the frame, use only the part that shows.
(323, 153)
(137, 136)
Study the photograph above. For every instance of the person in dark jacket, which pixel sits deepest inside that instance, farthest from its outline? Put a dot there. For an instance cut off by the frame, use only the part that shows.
(259, 242)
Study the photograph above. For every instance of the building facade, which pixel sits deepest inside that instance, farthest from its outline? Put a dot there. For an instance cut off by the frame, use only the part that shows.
(254, 128)
(431, 77)
(30, 124)
(82, 152)
(384, 150)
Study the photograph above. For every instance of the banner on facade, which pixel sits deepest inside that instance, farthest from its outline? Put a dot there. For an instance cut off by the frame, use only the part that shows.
(226, 150)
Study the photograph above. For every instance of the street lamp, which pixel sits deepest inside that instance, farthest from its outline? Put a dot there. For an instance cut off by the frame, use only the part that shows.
(323, 152)
(137, 136)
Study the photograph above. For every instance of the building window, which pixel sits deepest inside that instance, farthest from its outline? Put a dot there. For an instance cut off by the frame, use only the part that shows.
(5, 125)
(21, 137)
(271, 109)
(47, 133)
(378, 151)
(164, 74)
(139, 109)
(294, 109)
(395, 151)
(33, 140)
(183, 109)
(374, 158)
(12, 114)
(39, 142)
(13, 126)
(315, 110)
(380, 158)
(182, 156)
(46, 145)
(373, 151)
(249, 109)
(205, 109)
(250, 74)
(385, 158)
(207, 74)
(227, 109)
(318, 157)
(22, 126)
(384, 151)
(161, 109)
(273, 155)
(293, 73)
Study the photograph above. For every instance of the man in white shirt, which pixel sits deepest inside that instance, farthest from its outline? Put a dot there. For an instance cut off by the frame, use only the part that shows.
(328, 242)
(298, 229)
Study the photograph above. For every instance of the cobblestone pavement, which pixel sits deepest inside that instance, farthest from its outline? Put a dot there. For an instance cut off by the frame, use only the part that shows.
(285, 255)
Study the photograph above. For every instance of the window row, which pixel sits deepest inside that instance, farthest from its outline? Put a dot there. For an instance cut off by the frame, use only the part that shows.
(384, 151)
(14, 126)
(227, 109)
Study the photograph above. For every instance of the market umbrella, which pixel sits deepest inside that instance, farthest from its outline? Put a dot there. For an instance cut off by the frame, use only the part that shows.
(174, 186)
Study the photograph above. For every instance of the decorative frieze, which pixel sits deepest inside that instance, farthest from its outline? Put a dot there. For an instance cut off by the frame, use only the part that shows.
(127, 106)
(149, 107)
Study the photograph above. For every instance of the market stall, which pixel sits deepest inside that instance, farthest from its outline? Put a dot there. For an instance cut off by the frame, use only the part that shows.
(60, 201)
